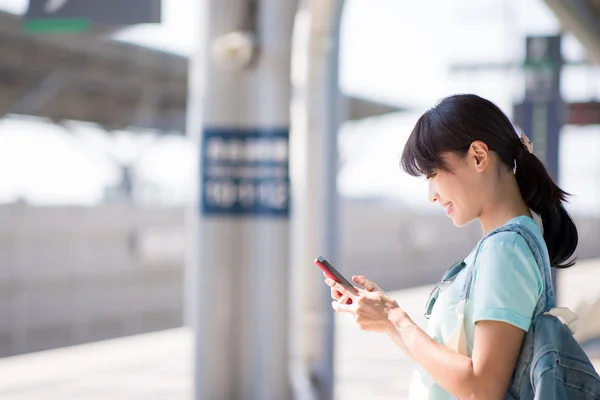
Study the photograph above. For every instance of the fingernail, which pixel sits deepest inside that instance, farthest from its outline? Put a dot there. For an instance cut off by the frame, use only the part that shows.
(328, 281)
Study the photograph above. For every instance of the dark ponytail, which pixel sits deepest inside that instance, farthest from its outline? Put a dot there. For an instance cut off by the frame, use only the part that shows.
(454, 123)
(545, 198)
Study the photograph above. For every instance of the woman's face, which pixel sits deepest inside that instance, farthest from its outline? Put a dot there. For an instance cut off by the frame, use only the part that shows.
(459, 191)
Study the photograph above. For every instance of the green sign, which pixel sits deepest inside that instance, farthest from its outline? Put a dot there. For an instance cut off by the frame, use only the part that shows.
(83, 15)
(58, 25)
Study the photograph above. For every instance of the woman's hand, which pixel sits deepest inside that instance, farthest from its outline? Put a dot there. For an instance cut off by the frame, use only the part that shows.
(370, 306)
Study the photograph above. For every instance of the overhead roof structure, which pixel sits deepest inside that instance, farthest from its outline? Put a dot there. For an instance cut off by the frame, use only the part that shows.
(87, 77)
(582, 18)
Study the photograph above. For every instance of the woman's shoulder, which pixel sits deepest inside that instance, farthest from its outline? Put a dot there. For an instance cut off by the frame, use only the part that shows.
(507, 255)
(507, 280)
(513, 240)
(507, 241)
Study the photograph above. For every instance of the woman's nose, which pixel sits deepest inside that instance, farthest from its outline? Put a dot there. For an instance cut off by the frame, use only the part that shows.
(432, 193)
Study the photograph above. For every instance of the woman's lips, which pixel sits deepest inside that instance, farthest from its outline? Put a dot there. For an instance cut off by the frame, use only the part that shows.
(448, 207)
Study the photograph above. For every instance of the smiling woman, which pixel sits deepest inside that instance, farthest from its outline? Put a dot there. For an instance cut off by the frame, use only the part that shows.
(476, 163)
(488, 304)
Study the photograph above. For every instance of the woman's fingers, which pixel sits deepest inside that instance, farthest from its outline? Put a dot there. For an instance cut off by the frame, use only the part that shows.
(340, 297)
(335, 294)
(339, 307)
(345, 300)
(370, 286)
(340, 288)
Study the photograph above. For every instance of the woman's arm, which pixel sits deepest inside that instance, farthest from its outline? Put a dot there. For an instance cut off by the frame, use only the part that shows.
(486, 375)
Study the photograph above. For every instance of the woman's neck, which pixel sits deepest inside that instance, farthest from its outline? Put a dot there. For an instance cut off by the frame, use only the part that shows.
(505, 203)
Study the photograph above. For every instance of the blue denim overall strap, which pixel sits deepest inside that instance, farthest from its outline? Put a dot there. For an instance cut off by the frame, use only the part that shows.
(548, 300)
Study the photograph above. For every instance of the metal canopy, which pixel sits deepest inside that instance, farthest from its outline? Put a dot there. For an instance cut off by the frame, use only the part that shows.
(87, 77)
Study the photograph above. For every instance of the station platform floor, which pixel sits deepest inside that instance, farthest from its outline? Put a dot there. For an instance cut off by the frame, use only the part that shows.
(158, 366)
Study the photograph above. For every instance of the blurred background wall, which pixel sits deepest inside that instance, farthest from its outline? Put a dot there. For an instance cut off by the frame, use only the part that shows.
(95, 171)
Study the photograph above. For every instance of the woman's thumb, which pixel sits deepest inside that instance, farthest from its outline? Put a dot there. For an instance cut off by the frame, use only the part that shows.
(359, 279)
(367, 284)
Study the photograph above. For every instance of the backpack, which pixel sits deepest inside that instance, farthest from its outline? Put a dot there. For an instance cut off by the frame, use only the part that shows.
(551, 364)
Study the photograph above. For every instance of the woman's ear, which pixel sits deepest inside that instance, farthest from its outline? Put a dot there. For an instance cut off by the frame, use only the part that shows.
(480, 154)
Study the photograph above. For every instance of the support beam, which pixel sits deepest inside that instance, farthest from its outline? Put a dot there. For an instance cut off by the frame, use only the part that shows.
(45, 91)
(314, 164)
(359, 108)
(238, 260)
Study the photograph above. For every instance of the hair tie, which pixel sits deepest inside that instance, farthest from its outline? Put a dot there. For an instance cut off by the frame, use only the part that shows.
(526, 143)
(527, 146)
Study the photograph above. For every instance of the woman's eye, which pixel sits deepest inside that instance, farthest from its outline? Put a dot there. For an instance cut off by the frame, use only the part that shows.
(430, 176)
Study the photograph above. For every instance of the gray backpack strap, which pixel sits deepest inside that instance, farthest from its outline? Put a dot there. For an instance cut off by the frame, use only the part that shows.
(545, 302)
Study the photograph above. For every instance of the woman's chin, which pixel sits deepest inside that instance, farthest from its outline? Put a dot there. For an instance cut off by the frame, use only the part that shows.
(457, 220)
(460, 222)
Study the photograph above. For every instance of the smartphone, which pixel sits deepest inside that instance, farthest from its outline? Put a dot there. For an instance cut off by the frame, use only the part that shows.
(332, 273)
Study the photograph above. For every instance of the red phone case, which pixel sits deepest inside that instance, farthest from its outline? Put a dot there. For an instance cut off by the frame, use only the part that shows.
(329, 275)
(326, 271)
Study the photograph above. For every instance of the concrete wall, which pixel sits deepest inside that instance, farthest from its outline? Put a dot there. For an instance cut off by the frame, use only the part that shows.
(75, 275)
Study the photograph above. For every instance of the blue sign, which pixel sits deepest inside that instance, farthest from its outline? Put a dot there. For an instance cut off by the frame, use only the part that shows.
(245, 172)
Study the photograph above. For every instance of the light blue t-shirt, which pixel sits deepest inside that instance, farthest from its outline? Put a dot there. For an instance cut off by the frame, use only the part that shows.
(506, 287)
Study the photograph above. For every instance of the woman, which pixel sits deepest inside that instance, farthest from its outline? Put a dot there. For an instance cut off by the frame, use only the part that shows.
(477, 167)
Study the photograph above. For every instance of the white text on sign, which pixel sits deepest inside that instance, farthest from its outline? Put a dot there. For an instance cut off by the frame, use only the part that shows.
(248, 194)
(251, 150)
